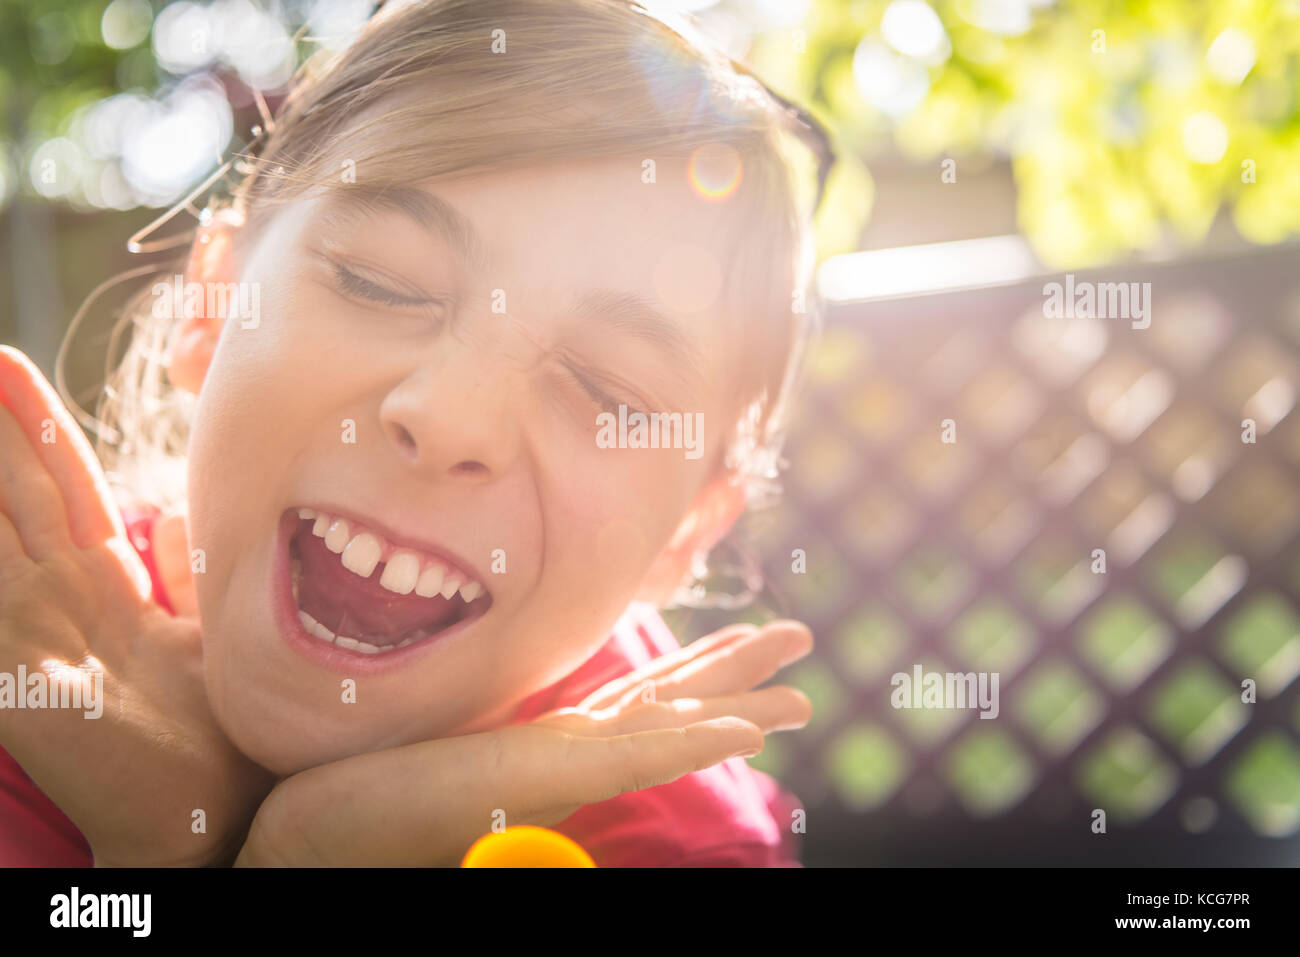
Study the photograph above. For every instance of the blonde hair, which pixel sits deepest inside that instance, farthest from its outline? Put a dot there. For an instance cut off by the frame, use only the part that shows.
(420, 94)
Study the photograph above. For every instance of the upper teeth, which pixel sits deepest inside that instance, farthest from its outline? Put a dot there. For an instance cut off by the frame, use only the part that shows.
(430, 582)
(401, 572)
(405, 570)
(361, 554)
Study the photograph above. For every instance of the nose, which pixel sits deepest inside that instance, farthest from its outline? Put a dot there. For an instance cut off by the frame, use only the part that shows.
(453, 419)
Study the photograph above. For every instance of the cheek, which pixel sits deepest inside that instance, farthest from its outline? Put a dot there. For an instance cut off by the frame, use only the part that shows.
(254, 412)
(270, 383)
(605, 521)
(614, 512)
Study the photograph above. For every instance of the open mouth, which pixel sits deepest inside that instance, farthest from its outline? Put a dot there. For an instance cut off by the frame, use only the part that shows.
(357, 590)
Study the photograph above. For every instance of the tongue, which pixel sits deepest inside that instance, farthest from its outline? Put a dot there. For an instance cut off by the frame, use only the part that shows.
(358, 607)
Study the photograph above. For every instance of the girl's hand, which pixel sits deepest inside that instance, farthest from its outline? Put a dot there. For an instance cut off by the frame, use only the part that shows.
(74, 602)
(425, 804)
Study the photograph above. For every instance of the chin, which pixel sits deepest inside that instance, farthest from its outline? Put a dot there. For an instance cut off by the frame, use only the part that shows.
(285, 753)
(288, 726)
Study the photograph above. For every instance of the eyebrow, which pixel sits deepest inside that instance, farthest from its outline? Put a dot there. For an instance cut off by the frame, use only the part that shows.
(632, 315)
(431, 213)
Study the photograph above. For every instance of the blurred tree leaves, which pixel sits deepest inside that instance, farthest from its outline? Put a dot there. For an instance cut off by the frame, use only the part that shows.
(1121, 128)
(1126, 122)
(53, 60)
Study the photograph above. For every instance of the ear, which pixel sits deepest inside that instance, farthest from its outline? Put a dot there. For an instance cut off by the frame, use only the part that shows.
(711, 516)
(193, 339)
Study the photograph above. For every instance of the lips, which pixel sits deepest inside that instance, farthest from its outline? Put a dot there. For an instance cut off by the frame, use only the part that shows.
(357, 590)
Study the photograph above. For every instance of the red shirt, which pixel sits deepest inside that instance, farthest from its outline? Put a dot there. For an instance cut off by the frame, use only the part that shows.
(729, 815)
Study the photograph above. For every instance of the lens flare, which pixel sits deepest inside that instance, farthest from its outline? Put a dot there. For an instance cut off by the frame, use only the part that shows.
(715, 171)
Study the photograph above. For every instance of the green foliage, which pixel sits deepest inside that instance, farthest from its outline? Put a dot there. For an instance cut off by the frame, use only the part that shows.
(1097, 125)
(53, 60)
(1121, 129)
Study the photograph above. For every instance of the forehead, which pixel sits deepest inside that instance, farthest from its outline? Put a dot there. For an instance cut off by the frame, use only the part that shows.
(603, 223)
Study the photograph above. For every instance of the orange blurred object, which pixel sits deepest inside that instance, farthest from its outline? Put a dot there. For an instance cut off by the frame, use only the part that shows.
(526, 846)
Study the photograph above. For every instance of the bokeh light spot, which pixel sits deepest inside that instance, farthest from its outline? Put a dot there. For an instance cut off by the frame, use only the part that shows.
(526, 846)
(1205, 138)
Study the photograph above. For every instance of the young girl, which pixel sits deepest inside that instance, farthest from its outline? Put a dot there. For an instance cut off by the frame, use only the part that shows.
(424, 564)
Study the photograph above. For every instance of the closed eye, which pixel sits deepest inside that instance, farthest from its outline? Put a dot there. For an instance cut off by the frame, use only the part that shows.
(364, 288)
(606, 402)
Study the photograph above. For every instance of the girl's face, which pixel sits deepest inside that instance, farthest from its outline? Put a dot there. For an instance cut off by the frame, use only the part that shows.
(426, 368)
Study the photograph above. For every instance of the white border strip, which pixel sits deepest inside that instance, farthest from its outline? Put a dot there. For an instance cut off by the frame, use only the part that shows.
(927, 268)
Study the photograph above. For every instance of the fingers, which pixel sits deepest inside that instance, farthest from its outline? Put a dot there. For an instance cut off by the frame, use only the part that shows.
(427, 803)
(732, 668)
(29, 495)
(779, 708)
(610, 694)
(61, 449)
(604, 768)
(11, 547)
